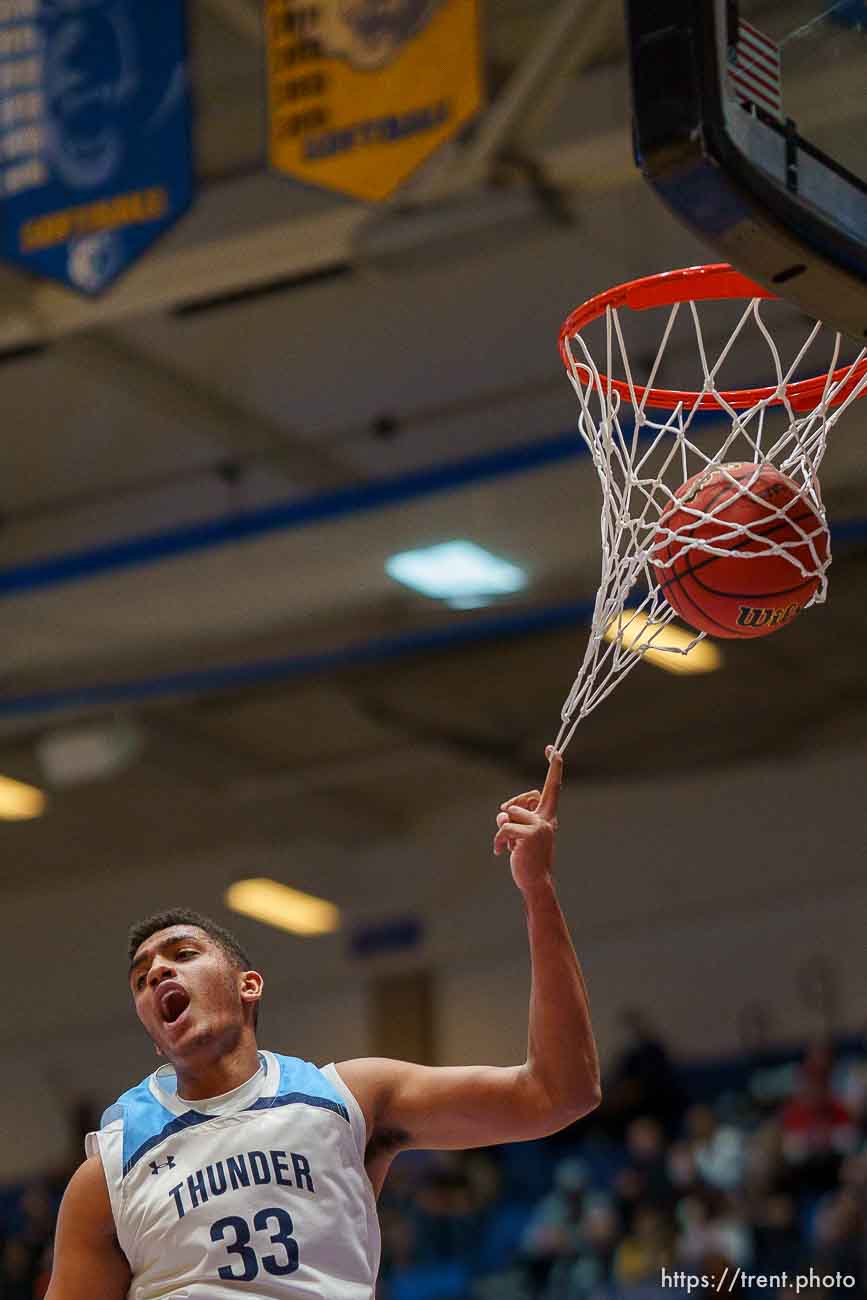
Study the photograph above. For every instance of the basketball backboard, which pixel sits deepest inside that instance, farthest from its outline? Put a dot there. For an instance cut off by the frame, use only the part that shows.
(750, 121)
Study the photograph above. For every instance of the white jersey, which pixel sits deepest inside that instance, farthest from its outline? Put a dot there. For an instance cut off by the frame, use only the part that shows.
(261, 1193)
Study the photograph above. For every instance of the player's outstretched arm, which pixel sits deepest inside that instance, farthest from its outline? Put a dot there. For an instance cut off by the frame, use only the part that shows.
(88, 1262)
(409, 1105)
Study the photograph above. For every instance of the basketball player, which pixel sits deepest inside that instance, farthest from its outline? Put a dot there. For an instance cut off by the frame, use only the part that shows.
(235, 1172)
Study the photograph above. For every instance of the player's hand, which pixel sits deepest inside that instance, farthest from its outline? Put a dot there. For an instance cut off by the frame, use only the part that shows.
(526, 825)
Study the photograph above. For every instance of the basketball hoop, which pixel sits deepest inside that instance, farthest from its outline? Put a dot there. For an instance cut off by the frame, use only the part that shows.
(641, 461)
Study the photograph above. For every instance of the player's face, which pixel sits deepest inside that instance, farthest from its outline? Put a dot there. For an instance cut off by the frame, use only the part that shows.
(187, 994)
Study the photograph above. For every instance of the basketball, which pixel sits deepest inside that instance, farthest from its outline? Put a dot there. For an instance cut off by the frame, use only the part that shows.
(749, 592)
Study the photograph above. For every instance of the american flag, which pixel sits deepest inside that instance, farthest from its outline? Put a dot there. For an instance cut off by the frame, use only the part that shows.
(754, 70)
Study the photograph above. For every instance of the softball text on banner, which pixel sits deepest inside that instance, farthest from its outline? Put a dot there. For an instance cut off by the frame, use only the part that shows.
(95, 154)
(362, 92)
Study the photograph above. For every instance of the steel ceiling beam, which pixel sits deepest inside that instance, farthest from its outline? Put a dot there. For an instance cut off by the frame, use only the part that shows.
(238, 432)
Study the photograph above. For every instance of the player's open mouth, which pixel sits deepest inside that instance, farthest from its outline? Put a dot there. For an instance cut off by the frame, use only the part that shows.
(173, 1003)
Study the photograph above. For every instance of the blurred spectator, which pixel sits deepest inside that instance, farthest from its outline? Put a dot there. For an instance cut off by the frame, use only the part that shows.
(817, 1128)
(643, 1081)
(681, 1167)
(629, 1190)
(646, 1177)
(555, 1228)
(764, 1166)
(500, 1218)
(853, 1177)
(601, 1238)
(777, 1236)
(647, 1249)
(849, 1082)
(711, 1227)
(484, 1179)
(840, 1240)
(555, 1232)
(718, 1149)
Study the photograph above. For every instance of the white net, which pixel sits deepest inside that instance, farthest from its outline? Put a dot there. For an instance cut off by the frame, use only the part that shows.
(642, 459)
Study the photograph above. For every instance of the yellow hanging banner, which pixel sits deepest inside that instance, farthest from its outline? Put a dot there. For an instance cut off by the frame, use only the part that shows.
(363, 91)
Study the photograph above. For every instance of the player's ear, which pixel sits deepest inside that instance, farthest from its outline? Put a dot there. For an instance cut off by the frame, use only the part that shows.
(251, 986)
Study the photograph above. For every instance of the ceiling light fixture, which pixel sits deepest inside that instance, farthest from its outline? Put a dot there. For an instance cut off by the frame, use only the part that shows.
(91, 751)
(20, 802)
(456, 571)
(281, 906)
(704, 657)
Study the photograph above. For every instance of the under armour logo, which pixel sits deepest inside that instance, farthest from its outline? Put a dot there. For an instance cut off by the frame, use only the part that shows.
(157, 1165)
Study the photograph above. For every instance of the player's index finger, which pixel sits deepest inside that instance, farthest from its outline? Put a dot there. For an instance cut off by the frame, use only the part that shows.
(553, 782)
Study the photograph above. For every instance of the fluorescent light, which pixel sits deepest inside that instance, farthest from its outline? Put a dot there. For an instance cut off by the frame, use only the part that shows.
(456, 570)
(19, 802)
(279, 905)
(671, 646)
(89, 752)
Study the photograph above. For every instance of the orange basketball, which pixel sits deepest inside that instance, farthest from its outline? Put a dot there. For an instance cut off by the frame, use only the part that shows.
(734, 595)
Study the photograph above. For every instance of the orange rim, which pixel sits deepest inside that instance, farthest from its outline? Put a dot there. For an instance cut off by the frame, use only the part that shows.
(694, 284)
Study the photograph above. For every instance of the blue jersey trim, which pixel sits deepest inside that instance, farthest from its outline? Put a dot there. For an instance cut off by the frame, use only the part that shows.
(144, 1119)
(179, 1122)
(146, 1122)
(303, 1081)
(324, 1103)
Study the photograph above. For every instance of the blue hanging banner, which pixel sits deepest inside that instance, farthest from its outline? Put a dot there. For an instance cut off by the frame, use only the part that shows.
(95, 147)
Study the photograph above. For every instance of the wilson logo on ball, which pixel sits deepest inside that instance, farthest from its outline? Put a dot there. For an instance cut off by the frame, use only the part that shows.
(749, 616)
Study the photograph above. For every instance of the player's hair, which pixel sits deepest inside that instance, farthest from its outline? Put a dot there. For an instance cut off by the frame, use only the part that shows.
(186, 916)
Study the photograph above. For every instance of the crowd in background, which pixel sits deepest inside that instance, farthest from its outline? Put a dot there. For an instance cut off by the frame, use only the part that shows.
(743, 1165)
(758, 1166)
